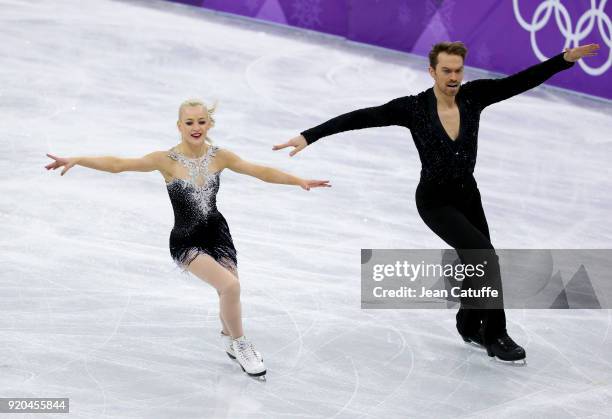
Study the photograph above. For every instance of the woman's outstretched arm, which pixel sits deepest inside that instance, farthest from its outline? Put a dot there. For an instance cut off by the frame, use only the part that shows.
(148, 163)
(268, 174)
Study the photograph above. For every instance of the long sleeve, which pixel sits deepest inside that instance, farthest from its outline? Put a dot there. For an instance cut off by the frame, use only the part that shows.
(394, 112)
(489, 91)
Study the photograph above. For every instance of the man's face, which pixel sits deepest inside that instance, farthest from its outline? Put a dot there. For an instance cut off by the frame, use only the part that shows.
(448, 73)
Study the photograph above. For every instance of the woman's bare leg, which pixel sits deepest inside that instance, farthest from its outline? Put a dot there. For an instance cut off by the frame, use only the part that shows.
(224, 328)
(228, 288)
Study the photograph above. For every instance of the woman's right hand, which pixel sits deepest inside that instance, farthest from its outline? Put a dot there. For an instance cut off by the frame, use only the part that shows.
(68, 162)
(298, 143)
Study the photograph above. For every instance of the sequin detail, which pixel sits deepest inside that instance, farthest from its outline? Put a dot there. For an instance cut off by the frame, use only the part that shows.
(199, 228)
(202, 185)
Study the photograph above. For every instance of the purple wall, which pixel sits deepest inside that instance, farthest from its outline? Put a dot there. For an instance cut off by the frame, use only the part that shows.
(504, 36)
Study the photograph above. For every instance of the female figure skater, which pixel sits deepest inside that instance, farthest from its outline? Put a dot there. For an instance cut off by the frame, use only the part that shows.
(444, 122)
(200, 241)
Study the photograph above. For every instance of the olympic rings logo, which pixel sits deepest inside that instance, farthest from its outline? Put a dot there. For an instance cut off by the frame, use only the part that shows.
(584, 26)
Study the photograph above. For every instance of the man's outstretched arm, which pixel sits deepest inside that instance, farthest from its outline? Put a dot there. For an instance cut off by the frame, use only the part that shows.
(489, 91)
(394, 112)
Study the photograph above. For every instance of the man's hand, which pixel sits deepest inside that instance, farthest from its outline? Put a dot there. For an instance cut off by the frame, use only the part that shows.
(298, 143)
(574, 54)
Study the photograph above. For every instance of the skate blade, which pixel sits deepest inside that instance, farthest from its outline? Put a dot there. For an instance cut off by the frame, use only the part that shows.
(512, 362)
(518, 362)
(474, 344)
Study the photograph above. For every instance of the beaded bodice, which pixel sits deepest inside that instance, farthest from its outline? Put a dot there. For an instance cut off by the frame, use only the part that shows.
(195, 197)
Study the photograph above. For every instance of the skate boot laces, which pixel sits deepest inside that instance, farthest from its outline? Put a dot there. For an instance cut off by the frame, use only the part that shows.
(247, 350)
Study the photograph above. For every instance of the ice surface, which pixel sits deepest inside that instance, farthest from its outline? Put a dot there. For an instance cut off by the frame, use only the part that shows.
(93, 308)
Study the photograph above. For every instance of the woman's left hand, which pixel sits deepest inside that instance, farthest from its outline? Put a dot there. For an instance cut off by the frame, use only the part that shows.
(66, 162)
(308, 183)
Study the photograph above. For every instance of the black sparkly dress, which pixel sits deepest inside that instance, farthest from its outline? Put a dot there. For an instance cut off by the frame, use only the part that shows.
(199, 228)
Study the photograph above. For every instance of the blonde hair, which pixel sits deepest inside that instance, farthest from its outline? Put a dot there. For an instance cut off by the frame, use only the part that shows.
(197, 102)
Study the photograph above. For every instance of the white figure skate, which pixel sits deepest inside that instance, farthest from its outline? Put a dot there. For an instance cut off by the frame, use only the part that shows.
(247, 357)
(227, 345)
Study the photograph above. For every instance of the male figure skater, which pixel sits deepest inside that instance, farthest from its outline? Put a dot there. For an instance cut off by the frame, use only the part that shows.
(444, 122)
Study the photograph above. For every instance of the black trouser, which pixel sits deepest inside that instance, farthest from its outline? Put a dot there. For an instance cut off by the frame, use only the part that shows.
(453, 210)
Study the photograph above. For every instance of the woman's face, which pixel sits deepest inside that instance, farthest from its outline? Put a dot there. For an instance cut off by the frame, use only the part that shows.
(193, 124)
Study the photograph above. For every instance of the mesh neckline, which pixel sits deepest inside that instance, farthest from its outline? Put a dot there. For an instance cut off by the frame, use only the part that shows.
(203, 156)
(197, 167)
